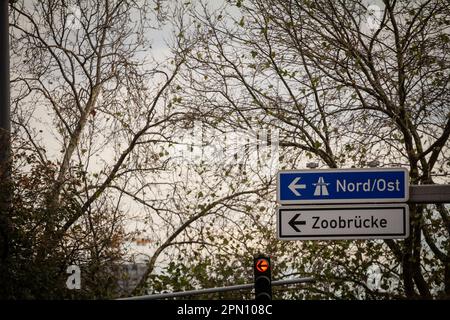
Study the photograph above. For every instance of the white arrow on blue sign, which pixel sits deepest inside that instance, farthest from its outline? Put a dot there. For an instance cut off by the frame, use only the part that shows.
(375, 185)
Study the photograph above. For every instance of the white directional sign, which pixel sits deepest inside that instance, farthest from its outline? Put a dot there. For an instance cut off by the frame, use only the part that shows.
(339, 222)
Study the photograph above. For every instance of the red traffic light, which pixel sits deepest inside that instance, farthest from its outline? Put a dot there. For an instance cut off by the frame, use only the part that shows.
(263, 278)
(262, 265)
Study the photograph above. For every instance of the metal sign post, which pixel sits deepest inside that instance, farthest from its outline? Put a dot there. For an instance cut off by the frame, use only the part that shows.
(5, 130)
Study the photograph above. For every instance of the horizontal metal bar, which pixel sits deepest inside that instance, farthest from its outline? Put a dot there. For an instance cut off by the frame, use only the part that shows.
(292, 281)
(191, 292)
(429, 193)
(215, 290)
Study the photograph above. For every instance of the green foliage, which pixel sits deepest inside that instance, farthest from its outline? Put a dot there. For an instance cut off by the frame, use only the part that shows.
(335, 97)
(342, 99)
(33, 272)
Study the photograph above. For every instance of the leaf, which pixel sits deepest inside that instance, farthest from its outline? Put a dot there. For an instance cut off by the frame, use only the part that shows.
(444, 38)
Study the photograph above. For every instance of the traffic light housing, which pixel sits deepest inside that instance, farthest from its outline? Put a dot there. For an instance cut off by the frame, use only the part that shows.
(263, 278)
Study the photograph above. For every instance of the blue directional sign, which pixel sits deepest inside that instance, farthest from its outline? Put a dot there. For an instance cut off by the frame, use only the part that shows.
(343, 186)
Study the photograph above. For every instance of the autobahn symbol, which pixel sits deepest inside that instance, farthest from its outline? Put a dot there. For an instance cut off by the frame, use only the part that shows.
(321, 188)
(339, 222)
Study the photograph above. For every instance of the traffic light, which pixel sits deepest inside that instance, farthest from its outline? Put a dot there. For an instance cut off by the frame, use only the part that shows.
(263, 278)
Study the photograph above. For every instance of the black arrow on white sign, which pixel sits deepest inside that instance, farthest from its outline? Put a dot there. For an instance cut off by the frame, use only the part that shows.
(294, 223)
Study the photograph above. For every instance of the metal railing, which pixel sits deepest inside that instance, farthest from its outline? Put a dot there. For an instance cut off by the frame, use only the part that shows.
(248, 286)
